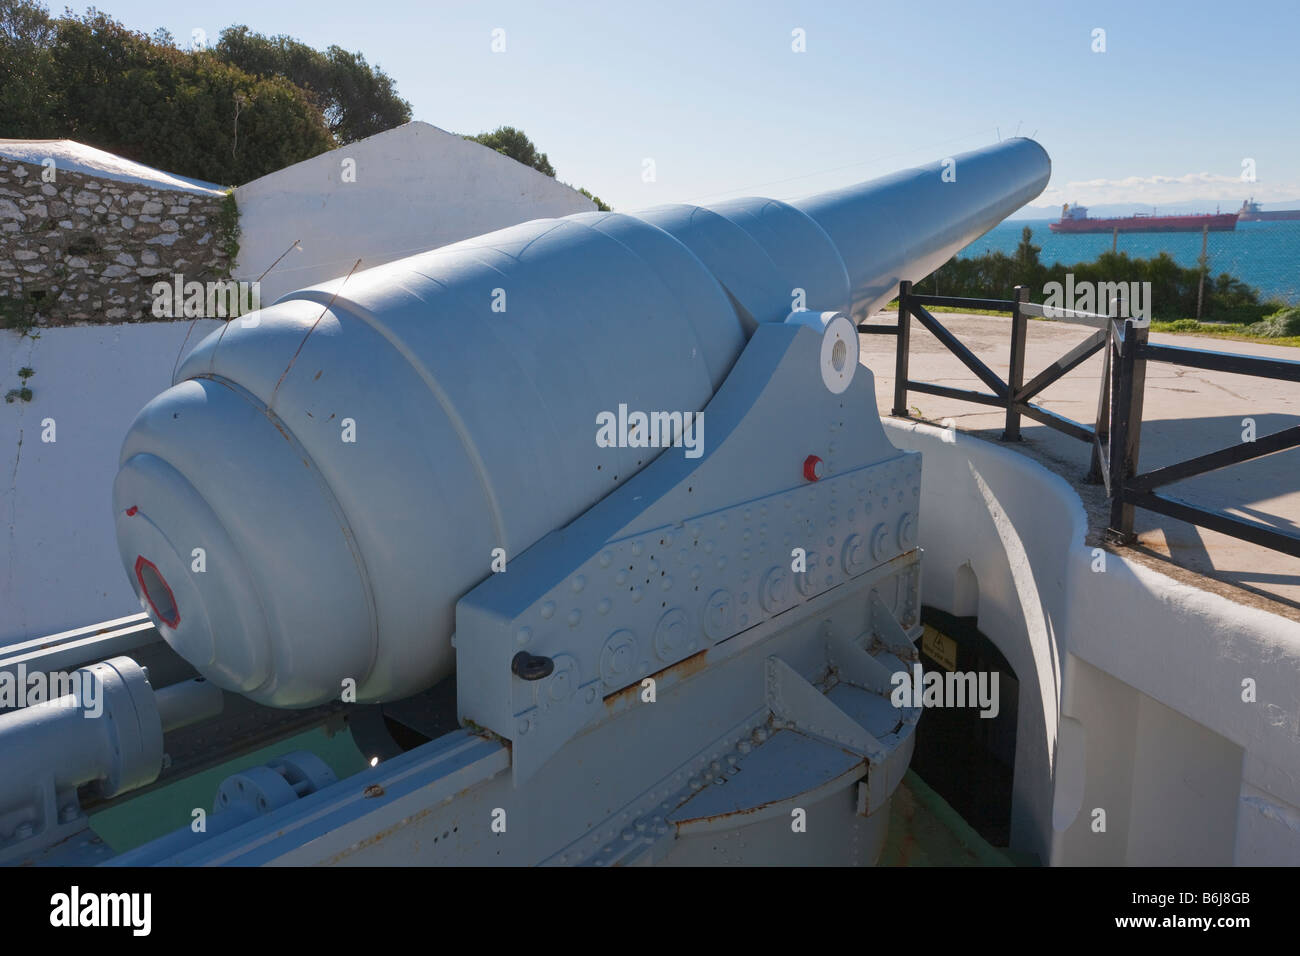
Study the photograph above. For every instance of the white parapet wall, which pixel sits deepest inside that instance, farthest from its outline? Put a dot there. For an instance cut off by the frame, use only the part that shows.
(395, 194)
(60, 567)
(1158, 724)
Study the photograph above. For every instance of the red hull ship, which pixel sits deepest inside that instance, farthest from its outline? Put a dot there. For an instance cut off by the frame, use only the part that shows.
(1076, 220)
(1250, 212)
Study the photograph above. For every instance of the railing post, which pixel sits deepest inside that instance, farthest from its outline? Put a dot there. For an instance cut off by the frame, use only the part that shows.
(900, 357)
(1136, 407)
(1016, 372)
(1102, 429)
(1129, 376)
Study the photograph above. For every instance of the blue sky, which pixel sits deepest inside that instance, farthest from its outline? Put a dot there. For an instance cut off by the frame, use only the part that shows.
(714, 94)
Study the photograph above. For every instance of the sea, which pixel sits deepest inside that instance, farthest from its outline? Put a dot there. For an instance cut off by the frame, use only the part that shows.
(1264, 255)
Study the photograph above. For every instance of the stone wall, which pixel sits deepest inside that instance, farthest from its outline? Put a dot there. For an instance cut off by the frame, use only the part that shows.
(86, 249)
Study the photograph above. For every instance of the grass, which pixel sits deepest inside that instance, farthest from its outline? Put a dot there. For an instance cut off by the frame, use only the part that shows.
(1232, 331)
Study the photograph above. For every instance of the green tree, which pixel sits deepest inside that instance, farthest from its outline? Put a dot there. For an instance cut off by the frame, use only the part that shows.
(91, 79)
(512, 142)
(1026, 252)
(26, 35)
(1173, 288)
(600, 203)
(356, 99)
(184, 112)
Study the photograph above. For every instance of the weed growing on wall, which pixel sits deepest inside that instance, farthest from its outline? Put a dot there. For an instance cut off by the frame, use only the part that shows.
(227, 230)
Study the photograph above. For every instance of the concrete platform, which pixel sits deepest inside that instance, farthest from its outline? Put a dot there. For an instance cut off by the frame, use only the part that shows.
(1188, 412)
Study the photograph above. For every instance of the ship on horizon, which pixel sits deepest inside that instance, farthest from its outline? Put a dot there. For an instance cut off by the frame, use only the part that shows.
(1076, 220)
(1250, 212)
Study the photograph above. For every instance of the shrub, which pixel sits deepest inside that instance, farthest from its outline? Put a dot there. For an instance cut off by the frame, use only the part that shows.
(1279, 325)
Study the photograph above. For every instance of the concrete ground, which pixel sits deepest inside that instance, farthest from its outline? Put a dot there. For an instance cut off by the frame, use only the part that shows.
(1188, 412)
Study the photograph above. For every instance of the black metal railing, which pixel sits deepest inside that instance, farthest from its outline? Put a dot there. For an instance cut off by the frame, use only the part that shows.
(1119, 405)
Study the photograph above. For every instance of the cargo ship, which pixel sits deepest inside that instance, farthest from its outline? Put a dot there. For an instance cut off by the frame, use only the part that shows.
(1076, 220)
(1250, 212)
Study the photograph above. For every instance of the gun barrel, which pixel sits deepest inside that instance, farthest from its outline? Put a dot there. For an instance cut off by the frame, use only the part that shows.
(302, 509)
(906, 225)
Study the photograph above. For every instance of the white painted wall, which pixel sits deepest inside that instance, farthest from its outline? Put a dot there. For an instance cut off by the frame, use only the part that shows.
(60, 568)
(417, 187)
(1139, 678)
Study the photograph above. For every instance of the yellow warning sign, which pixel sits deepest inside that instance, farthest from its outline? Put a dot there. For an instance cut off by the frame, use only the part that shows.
(941, 648)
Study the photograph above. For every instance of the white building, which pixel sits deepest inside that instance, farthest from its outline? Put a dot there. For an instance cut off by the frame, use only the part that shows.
(394, 194)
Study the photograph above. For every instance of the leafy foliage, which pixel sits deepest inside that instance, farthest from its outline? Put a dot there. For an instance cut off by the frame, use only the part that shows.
(249, 107)
(514, 143)
(356, 100)
(1283, 324)
(600, 203)
(1173, 288)
(227, 228)
(26, 35)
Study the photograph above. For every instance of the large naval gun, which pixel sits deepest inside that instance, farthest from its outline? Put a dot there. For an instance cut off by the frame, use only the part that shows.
(587, 530)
